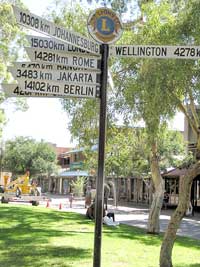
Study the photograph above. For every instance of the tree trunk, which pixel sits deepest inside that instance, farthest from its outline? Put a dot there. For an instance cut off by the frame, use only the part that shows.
(153, 226)
(113, 187)
(184, 200)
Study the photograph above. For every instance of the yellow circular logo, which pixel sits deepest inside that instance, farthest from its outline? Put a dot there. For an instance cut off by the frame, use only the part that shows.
(104, 25)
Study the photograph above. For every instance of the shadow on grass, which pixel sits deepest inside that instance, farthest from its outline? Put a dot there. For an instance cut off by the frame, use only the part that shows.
(26, 234)
(132, 233)
(135, 233)
(36, 256)
(12, 237)
(188, 243)
(29, 215)
(45, 223)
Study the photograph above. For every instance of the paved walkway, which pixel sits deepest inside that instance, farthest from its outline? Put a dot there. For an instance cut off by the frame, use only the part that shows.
(135, 215)
(190, 226)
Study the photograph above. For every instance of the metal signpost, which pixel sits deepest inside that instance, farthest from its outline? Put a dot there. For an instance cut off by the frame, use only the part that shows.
(69, 65)
(105, 27)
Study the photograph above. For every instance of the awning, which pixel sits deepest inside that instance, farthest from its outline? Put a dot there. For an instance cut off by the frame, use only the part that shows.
(175, 173)
(73, 173)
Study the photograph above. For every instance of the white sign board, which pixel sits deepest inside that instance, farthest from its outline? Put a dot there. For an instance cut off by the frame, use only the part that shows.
(77, 61)
(83, 77)
(60, 88)
(15, 90)
(53, 44)
(154, 51)
(46, 27)
(48, 66)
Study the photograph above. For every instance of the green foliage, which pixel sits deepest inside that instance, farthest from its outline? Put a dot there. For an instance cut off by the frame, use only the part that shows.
(187, 161)
(11, 37)
(126, 152)
(78, 186)
(11, 40)
(142, 84)
(171, 147)
(84, 120)
(144, 89)
(24, 153)
(72, 17)
(90, 159)
(120, 6)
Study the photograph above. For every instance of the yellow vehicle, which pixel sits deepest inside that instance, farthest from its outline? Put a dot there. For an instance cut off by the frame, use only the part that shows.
(22, 186)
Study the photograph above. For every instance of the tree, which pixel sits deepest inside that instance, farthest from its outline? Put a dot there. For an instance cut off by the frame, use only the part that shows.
(140, 85)
(187, 98)
(141, 89)
(24, 153)
(124, 155)
(11, 40)
(175, 81)
(78, 186)
(152, 90)
(85, 127)
(8, 34)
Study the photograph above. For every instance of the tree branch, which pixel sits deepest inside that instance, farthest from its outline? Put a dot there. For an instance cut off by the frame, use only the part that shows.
(193, 109)
(192, 124)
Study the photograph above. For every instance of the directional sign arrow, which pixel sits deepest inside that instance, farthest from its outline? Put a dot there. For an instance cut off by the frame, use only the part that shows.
(49, 66)
(48, 56)
(60, 88)
(154, 51)
(46, 27)
(53, 44)
(82, 77)
(15, 90)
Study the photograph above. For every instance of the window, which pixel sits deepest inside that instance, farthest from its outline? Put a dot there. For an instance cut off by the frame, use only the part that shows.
(66, 161)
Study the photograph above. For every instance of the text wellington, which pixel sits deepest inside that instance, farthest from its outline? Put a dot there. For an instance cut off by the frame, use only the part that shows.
(148, 51)
(153, 51)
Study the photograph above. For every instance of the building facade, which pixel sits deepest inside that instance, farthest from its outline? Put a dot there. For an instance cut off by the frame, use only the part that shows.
(71, 163)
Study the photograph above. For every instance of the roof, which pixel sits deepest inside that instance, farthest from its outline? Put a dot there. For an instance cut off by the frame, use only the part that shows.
(73, 173)
(175, 173)
(61, 150)
(81, 149)
(67, 153)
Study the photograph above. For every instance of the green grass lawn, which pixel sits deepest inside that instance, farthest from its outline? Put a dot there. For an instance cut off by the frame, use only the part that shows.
(37, 237)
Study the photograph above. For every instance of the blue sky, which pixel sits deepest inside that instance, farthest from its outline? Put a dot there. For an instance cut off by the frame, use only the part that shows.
(45, 118)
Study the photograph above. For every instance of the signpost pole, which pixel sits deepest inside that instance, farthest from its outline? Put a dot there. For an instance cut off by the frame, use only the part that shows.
(101, 158)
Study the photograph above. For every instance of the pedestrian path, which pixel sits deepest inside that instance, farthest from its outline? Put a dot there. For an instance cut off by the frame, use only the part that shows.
(137, 216)
(190, 226)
